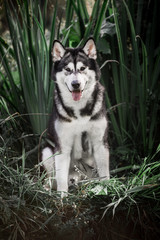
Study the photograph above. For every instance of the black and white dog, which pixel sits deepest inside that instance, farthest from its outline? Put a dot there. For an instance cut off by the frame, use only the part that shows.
(78, 125)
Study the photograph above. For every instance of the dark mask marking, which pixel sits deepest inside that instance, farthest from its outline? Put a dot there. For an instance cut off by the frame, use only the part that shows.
(88, 109)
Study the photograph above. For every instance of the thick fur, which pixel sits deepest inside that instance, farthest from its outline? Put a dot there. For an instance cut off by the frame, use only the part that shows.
(77, 129)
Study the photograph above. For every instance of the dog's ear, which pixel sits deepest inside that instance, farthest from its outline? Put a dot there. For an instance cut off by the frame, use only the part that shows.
(90, 48)
(58, 51)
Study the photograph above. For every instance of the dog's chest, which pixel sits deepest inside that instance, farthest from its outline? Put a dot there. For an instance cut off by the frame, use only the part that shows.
(67, 130)
(80, 124)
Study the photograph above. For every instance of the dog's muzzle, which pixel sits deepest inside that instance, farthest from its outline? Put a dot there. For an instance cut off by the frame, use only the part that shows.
(75, 84)
(76, 92)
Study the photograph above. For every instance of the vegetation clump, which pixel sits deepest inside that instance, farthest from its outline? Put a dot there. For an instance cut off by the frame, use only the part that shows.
(128, 205)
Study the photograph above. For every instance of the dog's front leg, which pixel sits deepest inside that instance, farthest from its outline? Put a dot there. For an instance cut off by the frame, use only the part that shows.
(62, 163)
(101, 156)
(100, 147)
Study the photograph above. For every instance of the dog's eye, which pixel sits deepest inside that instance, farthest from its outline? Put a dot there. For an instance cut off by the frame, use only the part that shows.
(68, 69)
(82, 68)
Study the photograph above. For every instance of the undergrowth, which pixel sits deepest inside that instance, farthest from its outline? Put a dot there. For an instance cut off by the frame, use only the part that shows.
(28, 210)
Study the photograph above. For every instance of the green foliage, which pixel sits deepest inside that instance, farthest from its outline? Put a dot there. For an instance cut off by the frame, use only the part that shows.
(80, 28)
(135, 115)
(129, 55)
(32, 56)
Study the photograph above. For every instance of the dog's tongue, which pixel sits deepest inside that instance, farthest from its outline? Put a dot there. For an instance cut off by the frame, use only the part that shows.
(76, 95)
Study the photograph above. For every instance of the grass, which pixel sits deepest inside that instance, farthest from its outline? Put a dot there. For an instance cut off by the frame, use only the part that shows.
(131, 84)
(131, 78)
(93, 209)
(33, 58)
(27, 209)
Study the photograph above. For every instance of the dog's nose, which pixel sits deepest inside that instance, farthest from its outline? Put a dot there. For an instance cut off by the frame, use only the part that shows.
(75, 84)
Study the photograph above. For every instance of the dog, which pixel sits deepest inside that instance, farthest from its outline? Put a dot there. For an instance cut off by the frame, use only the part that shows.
(77, 131)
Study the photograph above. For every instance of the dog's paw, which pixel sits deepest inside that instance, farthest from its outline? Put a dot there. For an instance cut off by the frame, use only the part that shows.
(64, 195)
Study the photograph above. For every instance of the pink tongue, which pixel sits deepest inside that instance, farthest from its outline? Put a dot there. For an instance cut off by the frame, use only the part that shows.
(76, 95)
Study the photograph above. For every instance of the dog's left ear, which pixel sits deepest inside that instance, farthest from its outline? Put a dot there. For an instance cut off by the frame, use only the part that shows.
(58, 51)
(90, 49)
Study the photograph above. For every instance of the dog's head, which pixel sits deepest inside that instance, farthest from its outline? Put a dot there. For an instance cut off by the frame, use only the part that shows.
(75, 68)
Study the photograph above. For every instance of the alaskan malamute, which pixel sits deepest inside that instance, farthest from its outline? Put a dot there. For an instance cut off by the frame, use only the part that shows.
(77, 129)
